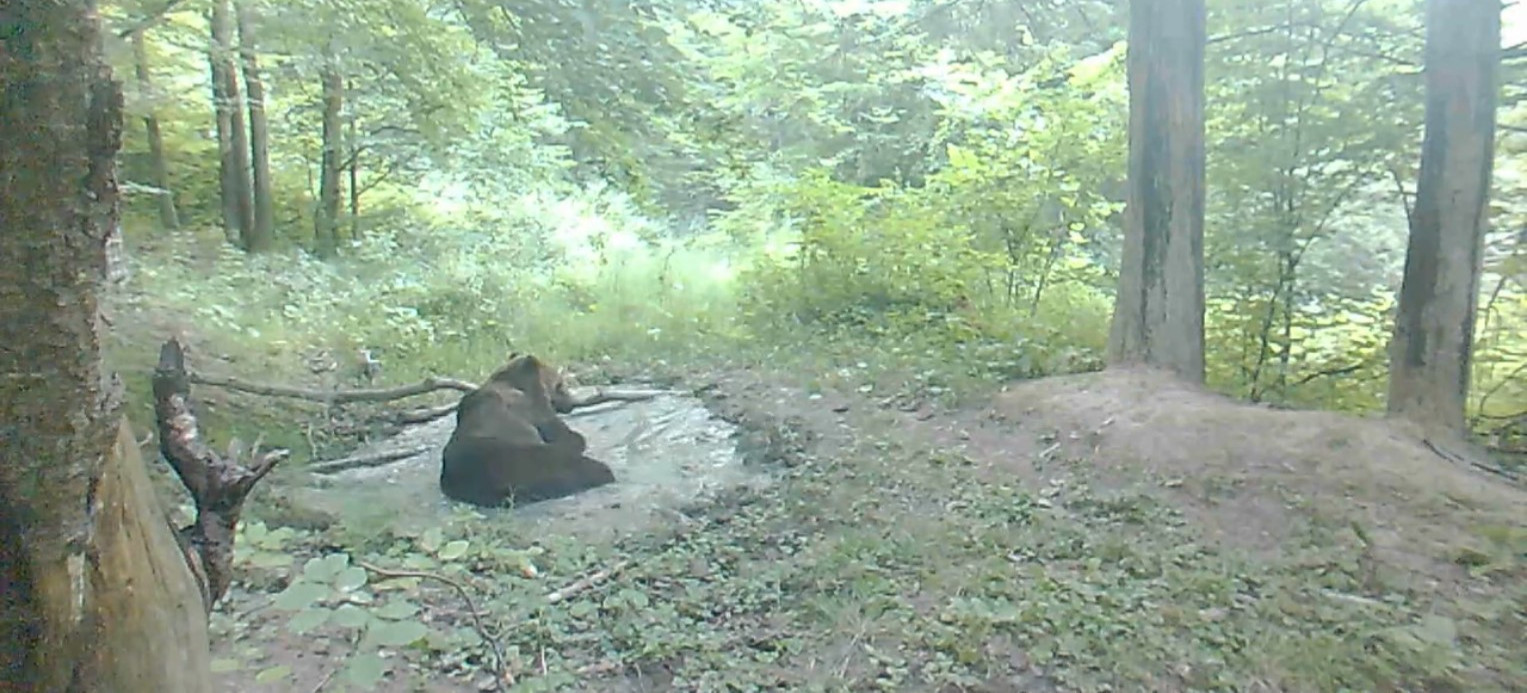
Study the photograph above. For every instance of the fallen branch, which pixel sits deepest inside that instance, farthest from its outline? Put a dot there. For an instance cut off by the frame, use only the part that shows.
(584, 583)
(374, 459)
(590, 396)
(425, 415)
(336, 396)
(219, 484)
(499, 672)
(1458, 459)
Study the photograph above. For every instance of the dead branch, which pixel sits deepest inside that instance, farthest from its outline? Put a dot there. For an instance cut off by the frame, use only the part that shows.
(585, 582)
(424, 415)
(219, 484)
(336, 396)
(374, 459)
(583, 396)
(1461, 460)
(590, 396)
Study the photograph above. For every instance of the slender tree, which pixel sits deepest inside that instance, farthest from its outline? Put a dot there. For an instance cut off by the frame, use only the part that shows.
(168, 216)
(233, 139)
(1431, 352)
(262, 234)
(1158, 317)
(95, 594)
(326, 221)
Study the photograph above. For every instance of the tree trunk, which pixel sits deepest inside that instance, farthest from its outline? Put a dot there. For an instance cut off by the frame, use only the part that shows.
(263, 233)
(1433, 340)
(94, 591)
(1158, 317)
(326, 221)
(228, 194)
(168, 217)
(233, 140)
(354, 172)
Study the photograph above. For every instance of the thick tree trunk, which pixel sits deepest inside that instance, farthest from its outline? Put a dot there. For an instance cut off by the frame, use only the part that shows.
(1433, 341)
(94, 592)
(169, 218)
(263, 232)
(233, 139)
(326, 221)
(1158, 317)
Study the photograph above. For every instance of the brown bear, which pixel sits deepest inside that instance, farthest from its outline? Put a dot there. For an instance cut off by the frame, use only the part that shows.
(510, 444)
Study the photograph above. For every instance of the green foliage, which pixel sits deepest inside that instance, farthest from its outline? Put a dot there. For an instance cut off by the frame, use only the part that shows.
(334, 596)
(901, 180)
(992, 265)
(447, 300)
(1296, 249)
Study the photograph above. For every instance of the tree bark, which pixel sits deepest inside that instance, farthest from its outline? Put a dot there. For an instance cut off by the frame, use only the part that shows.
(94, 592)
(228, 194)
(169, 218)
(262, 235)
(353, 170)
(1432, 349)
(233, 139)
(1158, 317)
(326, 221)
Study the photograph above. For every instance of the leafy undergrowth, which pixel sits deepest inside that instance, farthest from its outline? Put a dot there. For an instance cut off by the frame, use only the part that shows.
(888, 559)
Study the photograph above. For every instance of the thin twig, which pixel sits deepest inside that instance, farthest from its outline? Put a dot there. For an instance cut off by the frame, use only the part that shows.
(461, 590)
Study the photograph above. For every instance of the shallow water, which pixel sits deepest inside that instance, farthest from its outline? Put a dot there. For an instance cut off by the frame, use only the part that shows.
(667, 453)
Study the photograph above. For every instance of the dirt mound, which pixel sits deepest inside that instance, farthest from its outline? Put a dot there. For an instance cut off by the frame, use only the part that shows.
(1255, 476)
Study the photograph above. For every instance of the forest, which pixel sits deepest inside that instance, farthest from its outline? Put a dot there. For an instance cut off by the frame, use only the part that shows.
(885, 240)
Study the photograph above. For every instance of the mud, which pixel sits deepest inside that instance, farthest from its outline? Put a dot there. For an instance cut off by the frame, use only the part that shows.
(667, 453)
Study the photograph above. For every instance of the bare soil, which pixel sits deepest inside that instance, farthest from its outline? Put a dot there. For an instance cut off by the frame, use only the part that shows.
(1254, 476)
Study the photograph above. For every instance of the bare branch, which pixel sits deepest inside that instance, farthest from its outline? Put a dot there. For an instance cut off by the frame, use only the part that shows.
(336, 396)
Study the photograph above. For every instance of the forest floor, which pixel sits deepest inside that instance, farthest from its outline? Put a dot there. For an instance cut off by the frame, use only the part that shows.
(1095, 532)
(1106, 531)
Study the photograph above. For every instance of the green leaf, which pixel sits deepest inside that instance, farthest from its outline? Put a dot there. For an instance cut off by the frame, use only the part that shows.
(396, 610)
(399, 633)
(223, 665)
(308, 619)
(416, 561)
(253, 531)
(453, 550)
(365, 670)
(273, 674)
(324, 569)
(350, 579)
(351, 616)
(431, 539)
(300, 595)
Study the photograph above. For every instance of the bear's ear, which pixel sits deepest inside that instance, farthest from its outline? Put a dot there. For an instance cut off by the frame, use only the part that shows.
(525, 373)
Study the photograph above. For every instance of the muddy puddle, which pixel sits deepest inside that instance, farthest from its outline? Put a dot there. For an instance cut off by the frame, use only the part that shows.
(667, 453)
